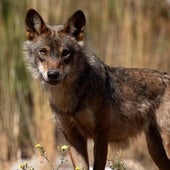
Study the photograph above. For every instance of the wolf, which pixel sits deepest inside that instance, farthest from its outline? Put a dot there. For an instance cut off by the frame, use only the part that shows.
(94, 100)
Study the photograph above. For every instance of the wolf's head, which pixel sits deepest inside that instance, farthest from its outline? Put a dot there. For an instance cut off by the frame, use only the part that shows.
(50, 51)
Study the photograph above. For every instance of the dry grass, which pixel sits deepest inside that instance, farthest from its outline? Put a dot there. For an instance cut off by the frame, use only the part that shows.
(127, 33)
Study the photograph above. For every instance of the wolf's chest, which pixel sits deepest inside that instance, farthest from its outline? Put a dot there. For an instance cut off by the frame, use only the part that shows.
(84, 122)
(63, 99)
(66, 103)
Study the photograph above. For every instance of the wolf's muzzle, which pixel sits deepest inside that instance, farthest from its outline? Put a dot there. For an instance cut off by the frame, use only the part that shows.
(53, 75)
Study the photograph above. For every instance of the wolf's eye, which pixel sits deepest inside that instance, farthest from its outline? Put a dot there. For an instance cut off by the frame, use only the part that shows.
(42, 54)
(66, 52)
(66, 56)
(43, 51)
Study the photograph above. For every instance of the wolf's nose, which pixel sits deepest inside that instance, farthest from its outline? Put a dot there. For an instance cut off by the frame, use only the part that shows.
(53, 74)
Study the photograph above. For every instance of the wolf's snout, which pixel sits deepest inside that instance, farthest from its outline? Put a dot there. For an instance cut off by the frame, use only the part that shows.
(53, 75)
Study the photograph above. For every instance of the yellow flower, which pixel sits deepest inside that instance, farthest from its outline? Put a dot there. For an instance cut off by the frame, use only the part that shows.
(64, 147)
(25, 164)
(21, 166)
(77, 168)
(38, 146)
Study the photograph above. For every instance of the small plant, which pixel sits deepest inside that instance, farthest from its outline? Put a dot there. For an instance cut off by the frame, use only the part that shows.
(43, 153)
(62, 160)
(115, 163)
(25, 166)
(63, 152)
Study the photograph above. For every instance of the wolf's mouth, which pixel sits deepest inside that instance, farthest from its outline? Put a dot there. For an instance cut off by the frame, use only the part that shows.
(54, 82)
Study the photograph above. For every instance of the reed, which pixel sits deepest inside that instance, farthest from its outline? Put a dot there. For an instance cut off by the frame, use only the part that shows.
(128, 33)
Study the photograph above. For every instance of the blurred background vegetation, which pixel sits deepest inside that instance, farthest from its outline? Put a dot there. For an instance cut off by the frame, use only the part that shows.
(130, 33)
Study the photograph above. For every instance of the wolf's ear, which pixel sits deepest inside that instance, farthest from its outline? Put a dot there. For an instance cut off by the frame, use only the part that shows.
(34, 24)
(75, 25)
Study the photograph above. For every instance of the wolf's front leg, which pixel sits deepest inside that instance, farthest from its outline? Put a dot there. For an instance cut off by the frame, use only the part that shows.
(77, 149)
(100, 150)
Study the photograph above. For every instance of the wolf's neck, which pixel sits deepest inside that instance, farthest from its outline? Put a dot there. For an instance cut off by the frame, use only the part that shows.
(63, 98)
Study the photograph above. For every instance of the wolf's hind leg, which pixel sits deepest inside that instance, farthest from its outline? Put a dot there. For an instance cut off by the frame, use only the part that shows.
(166, 142)
(163, 120)
(156, 148)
